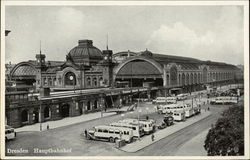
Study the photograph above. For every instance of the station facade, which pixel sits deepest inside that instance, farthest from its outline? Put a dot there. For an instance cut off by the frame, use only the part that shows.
(86, 67)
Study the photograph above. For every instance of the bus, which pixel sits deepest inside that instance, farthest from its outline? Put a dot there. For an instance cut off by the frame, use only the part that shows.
(167, 108)
(110, 133)
(148, 126)
(189, 112)
(224, 100)
(160, 100)
(181, 97)
(179, 115)
(9, 133)
(171, 100)
(137, 129)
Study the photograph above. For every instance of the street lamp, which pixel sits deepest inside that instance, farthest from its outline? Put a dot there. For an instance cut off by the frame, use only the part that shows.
(72, 79)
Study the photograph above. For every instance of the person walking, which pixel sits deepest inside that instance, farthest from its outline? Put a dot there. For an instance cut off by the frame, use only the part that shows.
(152, 137)
(85, 133)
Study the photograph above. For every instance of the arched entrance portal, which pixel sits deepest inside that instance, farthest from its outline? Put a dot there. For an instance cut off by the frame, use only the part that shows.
(46, 112)
(65, 110)
(35, 116)
(138, 73)
(24, 116)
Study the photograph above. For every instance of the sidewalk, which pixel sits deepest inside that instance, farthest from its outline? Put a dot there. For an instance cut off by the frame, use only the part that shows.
(67, 121)
(160, 134)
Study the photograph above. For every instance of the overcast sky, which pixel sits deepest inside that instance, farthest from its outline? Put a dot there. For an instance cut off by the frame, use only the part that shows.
(203, 32)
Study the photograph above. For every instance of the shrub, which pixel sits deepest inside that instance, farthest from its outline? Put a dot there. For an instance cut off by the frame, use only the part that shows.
(226, 137)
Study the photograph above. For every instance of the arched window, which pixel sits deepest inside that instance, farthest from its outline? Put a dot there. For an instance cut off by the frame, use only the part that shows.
(191, 78)
(24, 115)
(88, 81)
(195, 78)
(183, 79)
(173, 75)
(214, 77)
(187, 79)
(70, 79)
(100, 81)
(95, 81)
(204, 75)
(167, 80)
(179, 79)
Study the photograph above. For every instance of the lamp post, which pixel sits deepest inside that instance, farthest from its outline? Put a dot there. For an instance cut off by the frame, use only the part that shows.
(138, 114)
(73, 80)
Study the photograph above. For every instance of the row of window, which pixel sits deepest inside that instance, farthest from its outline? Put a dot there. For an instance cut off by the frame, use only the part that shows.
(185, 79)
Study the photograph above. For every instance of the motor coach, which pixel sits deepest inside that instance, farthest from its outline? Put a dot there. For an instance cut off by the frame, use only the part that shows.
(168, 108)
(179, 115)
(171, 100)
(110, 133)
(148, 125)
(181, 97)
(137, 129)
(224, 100)
(160, 100)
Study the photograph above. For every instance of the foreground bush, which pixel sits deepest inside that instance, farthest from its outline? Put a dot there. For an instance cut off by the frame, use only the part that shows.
(226, 137)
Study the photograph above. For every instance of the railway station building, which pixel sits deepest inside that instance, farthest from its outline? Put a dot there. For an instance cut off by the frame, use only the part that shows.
(86, 67)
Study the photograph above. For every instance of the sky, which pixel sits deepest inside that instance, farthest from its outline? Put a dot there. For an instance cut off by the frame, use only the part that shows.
(204, 32)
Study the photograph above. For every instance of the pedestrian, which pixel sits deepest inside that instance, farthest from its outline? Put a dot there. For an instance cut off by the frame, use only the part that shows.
(47, 126)
(153, 137)
(85, 133)
(208, 108)
(147, 117)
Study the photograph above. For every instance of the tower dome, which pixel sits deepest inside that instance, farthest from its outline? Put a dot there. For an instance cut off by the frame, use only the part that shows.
(85, 53)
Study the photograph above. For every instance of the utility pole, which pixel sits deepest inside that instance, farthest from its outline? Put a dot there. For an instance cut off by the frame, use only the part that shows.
(41, 86)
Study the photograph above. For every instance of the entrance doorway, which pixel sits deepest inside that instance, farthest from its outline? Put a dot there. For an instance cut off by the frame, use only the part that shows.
(65, 110)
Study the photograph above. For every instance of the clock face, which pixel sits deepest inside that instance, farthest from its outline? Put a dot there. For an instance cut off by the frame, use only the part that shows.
(38, 60)
(106, 57)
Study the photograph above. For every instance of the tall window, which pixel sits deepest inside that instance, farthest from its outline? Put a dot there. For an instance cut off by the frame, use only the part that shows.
(204, 75)
(173, 75)
(95, 81)
(88, 81)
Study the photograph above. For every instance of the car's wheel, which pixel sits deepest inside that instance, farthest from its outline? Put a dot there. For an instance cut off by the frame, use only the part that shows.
(111, 139)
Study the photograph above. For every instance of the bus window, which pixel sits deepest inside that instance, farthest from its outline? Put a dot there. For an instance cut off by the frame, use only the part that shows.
(99, 130)
(111, 131)
(116, 132)
(105, 131)
(133, 128)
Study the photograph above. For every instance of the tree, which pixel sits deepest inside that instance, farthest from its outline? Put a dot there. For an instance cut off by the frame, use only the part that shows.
(226, 137)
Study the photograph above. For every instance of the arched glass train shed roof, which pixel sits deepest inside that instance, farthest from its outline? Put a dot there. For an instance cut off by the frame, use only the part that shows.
(185, 63)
